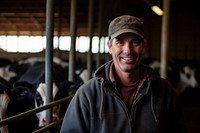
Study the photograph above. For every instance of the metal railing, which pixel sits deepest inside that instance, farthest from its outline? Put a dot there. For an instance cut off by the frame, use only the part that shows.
(26, 114)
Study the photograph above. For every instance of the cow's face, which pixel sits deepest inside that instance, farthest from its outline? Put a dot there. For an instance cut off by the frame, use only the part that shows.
(41, 100)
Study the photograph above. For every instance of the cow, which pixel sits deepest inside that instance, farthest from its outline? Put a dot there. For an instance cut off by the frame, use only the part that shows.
(16, 100)
(4, 101)
(5, 62)
(173, 74)
(60, 88)
(28, 91)
(23, 96)
(6, 73)
(66, 88)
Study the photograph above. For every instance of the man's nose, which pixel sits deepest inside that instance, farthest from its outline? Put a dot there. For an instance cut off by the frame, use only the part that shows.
(128, 48)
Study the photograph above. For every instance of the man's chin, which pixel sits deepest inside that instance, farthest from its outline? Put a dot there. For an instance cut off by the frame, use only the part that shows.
(128, 68)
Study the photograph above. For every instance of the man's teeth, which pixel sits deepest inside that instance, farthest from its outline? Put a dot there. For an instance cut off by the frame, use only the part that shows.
(127, 59)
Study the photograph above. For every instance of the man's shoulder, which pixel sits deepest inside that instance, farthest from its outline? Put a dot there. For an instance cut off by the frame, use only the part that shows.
(89, 87)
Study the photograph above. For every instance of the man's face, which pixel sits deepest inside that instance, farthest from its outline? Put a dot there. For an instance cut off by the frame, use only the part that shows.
(126, 50)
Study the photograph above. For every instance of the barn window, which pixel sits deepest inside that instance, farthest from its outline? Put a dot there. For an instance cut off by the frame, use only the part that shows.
(64, 43)
(11, 44)
(3, 42)
(83, 44)
(103, 45)
(34, 44)
(38, 42)
(95, 43)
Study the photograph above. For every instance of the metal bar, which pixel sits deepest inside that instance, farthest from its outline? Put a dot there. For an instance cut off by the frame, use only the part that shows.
(71, 76)
(48, 127)
(59, 28)
(90, 28)
(164, 39)
(33, 111)
(98, 63)
(49, 55)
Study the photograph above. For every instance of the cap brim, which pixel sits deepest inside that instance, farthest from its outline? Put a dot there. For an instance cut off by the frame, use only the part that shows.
(125, 31)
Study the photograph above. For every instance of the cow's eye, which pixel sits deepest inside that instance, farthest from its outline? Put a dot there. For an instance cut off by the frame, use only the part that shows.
(39, 100)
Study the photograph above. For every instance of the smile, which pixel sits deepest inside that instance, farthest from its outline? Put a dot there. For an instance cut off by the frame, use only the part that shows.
(128, 58)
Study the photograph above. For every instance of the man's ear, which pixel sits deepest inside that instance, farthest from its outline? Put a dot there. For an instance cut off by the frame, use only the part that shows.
(109, 45)
(145, 46)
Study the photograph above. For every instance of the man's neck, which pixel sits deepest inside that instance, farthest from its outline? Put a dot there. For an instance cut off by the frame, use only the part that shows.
(127, 78)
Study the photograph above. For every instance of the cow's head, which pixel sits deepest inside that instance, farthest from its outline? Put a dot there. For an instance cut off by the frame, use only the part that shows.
(41, 100)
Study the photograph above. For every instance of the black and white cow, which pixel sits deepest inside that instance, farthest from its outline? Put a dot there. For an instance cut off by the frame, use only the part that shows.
(16, 100)
(65, 89)
(61, 88)
(28, 91)
(22, 96)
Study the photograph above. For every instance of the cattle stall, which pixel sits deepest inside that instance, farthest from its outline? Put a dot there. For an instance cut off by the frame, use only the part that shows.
(45, 75)
(47, 84)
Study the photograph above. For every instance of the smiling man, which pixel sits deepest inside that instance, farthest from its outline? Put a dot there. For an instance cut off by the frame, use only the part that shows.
(125, 96)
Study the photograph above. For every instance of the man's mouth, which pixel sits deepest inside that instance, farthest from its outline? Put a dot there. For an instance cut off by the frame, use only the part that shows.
(128, 59)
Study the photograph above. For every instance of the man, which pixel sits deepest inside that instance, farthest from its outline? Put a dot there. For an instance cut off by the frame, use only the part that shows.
(125, 96)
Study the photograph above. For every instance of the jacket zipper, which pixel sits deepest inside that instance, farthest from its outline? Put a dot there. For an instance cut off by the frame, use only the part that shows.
(126, 110)
(133, 111)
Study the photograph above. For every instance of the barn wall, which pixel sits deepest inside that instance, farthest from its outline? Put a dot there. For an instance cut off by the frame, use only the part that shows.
(184, 36)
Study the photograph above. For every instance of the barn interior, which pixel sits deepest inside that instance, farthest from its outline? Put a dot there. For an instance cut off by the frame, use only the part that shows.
(29, 18)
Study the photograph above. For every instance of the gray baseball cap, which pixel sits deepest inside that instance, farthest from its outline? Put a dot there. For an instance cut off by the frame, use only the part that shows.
(126, 24)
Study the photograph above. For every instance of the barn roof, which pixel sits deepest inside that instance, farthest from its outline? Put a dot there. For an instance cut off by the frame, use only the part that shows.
(28, 17)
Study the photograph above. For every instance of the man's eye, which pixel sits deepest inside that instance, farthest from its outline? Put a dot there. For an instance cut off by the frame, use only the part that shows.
(119, 43)
(136, 42)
